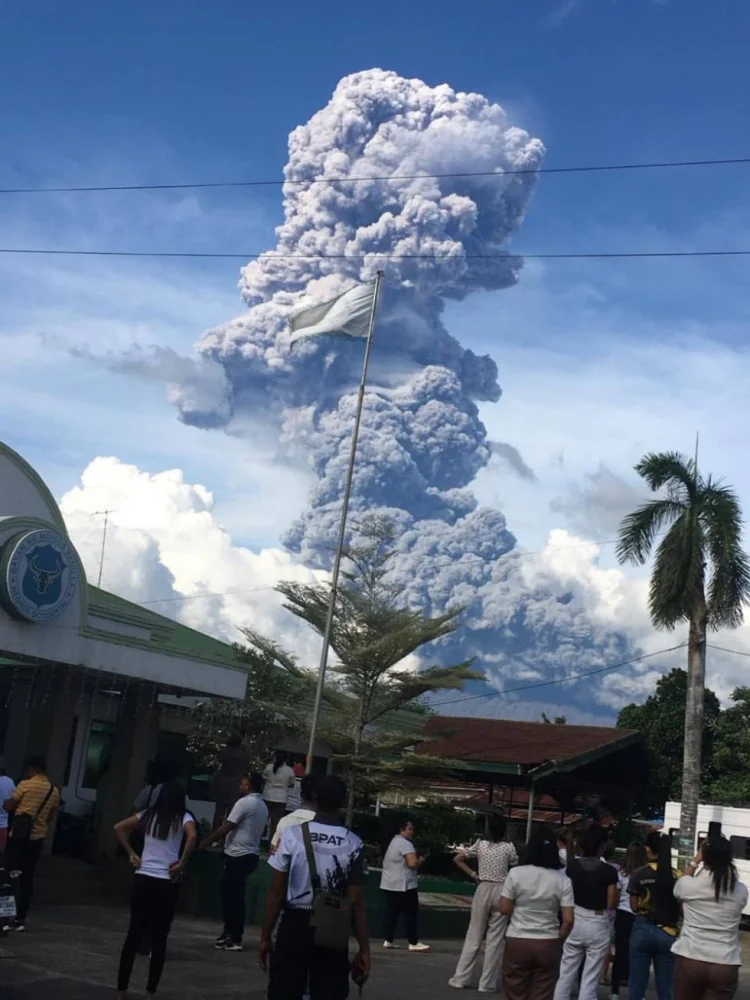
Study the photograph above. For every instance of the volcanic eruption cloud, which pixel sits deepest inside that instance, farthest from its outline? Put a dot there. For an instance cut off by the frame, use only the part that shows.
(422, 442)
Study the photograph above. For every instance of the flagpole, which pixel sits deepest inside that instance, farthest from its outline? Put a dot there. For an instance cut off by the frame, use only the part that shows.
(342, 531)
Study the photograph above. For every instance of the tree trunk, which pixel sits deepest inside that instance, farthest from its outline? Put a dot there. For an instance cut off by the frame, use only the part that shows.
(694, 710)
(352, 782)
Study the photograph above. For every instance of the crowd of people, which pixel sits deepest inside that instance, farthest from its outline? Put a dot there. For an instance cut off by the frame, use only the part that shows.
(565, 917)
(552, 924)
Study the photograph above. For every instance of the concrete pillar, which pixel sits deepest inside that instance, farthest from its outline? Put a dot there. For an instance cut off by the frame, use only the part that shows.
(17, 732)
(136, 732)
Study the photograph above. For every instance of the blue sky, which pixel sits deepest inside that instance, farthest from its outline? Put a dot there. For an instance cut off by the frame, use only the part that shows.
(598, 360)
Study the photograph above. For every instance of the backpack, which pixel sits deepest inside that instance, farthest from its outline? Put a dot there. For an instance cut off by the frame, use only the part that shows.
(331, 917)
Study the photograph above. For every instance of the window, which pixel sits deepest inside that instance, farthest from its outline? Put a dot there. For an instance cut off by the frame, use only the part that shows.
(98, 753)
(71, 748)
(740, 848)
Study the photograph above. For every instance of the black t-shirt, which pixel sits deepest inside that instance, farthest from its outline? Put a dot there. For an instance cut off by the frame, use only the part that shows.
(591, 878)
(658, 907)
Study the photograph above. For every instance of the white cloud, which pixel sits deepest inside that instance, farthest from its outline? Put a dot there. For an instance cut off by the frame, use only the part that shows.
(164, 543)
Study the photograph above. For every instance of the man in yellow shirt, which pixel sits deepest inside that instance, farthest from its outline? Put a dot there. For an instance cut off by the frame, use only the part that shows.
(37, 799)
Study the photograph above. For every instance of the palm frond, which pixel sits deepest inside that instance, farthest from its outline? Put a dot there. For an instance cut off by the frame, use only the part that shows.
(639, 529)
(729, 586)
(670, 469)
(678, 575)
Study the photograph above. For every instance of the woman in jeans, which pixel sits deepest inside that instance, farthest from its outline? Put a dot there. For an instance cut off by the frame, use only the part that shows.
(657, 915)
(534, 897)
(494, 857)
(169, 836)
(399, 883)
(708, 948)
(635, 858)
(595, 894)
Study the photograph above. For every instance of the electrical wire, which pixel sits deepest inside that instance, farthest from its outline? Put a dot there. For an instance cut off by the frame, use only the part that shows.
(279, 182)
(376, 255)
(560, 680)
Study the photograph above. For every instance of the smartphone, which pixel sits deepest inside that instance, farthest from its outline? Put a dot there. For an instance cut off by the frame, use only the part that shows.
(714, 830)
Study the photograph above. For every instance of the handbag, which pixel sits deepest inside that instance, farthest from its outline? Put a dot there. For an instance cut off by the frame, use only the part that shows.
(331, 918)
(23, 825)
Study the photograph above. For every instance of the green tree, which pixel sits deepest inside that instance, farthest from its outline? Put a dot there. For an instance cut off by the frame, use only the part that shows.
(272, 708)
(731, 784)
(370, 684)
(661, 722)
(700, 576)
(559, 720)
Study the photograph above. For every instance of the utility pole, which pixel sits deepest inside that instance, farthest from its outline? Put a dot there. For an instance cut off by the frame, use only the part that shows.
(104, 541)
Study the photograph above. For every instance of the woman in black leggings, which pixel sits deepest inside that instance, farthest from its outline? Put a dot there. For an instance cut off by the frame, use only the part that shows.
(169, 836)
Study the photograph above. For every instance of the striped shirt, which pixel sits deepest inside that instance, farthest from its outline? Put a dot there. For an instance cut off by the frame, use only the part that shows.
(29, 796)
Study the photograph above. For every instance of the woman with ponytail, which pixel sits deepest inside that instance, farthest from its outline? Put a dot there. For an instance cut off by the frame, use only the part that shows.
(708, 949)
(168, 834)
(657, 915)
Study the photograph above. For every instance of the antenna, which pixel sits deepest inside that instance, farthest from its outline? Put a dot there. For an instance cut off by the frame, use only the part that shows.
(104, 542)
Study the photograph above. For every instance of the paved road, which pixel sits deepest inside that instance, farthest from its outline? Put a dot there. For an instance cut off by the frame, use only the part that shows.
(71, 953)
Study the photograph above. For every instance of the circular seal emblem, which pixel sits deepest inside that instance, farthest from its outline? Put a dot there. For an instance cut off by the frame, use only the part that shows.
(38, 575)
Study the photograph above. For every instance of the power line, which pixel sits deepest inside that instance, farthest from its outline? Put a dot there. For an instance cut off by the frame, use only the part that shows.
(727, 649)
(195, 597)
(279, 182)
(561, 680)
(376, 255)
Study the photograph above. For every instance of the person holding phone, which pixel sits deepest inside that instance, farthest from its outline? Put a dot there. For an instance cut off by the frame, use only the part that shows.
(400, 885)
(169, 837)
(707, 951)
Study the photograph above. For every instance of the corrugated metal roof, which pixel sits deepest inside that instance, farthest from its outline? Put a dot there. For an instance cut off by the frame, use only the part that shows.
(525, 745)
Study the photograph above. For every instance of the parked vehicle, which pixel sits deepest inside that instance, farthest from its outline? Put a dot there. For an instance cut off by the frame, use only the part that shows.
(734, 824)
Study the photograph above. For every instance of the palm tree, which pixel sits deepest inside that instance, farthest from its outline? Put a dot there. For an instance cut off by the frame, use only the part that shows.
(701, 575)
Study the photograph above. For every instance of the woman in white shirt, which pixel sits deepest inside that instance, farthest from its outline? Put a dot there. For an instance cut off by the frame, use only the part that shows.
(494, 856)
(708, 948)
(400, 885)
(279, 779)
(169, 836)
(533, 898)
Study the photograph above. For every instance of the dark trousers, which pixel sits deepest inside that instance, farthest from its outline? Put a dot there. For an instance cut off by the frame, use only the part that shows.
(152, 904)
(232, 889)
(24, 855)
(276, 811)
(530, 968)
(397, 903)
(695, 980)
(298, 967)
(621, 964)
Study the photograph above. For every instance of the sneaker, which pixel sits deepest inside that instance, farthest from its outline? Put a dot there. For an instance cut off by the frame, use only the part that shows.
(419, 946)
(456, 985)
(221, 940)
(391, 945)
(233, 946)
(17, 925)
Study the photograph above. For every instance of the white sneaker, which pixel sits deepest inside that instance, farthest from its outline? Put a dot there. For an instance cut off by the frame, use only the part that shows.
(419, 946)
(456, 985)
(391, 945)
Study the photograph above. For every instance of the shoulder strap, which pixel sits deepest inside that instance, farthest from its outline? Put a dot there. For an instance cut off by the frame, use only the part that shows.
(314, 877)
(44, 801)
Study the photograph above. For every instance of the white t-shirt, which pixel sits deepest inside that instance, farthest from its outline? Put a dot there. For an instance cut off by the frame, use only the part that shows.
(250, 813)
(158, 855)
(623, 883)
(7, 787)
(710, 929)
(494, 858)
(278, 784)
(292, 819)
(397, 876)
(339, 859)
(538, 894)
(294, 795)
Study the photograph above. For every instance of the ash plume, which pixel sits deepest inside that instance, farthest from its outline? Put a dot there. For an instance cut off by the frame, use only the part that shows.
(422, 441)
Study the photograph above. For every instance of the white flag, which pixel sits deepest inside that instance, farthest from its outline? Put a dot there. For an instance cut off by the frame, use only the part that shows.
(348, 315)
